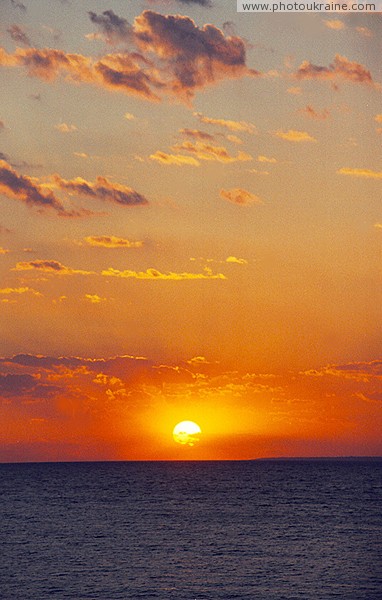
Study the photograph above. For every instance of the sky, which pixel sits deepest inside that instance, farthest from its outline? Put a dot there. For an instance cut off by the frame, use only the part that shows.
(190, 229)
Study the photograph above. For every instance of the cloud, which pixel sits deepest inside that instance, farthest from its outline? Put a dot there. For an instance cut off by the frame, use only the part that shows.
(294, 136)
(197, 134)
(365, 31)
(295, 91)
(360, 371)
(167, 56)
(94, 298)
(3, 250)
(12, 384)
(49, 266)
(312, 113)
(378, 118)
(65, 128)
(117, 72)
(19, 5)
(153, 274)
(19, 290)
(366, 173)
(240, 197)
(192, 57)
(2, 126)
(114, 28)
(21, 187)
(234, 139)
(18, 35)
(110, 241)
(208, 152)
(174, 159)
(340, 68)
(129, 116)
(238, 261)
(266, 159)
(335, 24)
(227, 123)
(102, 189)
(378, 225)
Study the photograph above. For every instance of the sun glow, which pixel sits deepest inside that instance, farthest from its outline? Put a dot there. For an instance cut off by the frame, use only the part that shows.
(187, 433)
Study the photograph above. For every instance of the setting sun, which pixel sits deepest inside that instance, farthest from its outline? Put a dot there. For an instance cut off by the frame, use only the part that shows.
(187, 433)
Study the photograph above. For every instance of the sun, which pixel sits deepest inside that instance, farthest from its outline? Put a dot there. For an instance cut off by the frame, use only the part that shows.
(187, 433)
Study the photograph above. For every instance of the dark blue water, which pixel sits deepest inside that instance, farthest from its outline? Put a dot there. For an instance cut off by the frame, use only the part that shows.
(186, 531)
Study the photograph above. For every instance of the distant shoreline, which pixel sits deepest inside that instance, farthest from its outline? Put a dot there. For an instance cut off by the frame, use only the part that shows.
(322, 458)
(267, 459)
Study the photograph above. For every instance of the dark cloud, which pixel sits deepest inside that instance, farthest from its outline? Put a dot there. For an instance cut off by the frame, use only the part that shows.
(117, 365)
(19, 5)
(11, 385)
(130, 79)
(2, 126)
(102, 189)
(196, 134)
(49, 266)
(114, 28)
(25, 385)
(20, 187)
(310, 112)
(340, 68)
(18, 35)
(192, 57)
(125, 72)
(174, 57)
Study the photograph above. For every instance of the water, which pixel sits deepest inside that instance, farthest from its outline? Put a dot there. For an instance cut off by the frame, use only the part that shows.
(233, 530)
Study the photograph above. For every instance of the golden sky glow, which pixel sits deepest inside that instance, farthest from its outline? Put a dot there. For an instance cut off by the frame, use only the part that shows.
(190, 230)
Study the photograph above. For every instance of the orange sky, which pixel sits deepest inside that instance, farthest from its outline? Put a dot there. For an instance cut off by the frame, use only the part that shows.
(190, 229)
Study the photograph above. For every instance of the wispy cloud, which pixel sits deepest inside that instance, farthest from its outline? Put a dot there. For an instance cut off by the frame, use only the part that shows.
(227, 123)
(365, 173)
(102, 189)
(20, 290)
(111, 241)
(266, 159)
(294, 136)
(340, 68)
(207, 152)
(18, 35)
(235, 260)
(364, 31)
(19, 5)
(154, 274)
(295, 91)
(240, 197)
(174, 159)
(196, 134)
(65, 128)
(312, 113)
(94, 298)
(335, 24)
(49, 266)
